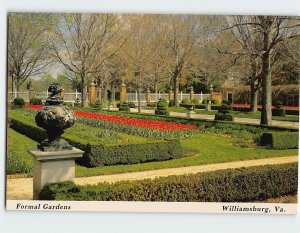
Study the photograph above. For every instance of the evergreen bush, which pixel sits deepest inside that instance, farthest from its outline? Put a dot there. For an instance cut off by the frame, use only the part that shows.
(224, 113)
(124, 107)
(36, 101)
(97, 106)
(19, 102)
(162, 108)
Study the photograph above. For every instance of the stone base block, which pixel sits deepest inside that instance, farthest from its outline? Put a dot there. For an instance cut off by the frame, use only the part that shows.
(54, 166)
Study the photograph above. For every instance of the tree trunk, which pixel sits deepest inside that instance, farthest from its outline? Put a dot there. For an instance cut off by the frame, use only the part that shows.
(17, 90)
(253, 97)
(176, 88)
(84, 99)
(99, 90)
(113, 95)
(104, 103)
(156, 89)
(139, 98)
(266, 112)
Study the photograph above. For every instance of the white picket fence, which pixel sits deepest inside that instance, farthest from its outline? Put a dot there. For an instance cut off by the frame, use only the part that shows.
(133, 97)
(68, 97)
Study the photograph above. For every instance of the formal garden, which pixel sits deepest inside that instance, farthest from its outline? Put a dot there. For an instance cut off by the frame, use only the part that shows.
(157, 107)
(118, 142)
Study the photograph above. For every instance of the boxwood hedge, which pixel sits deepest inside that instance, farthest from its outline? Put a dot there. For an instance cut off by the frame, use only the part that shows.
(231, 185)
(280, 140)
(100, 155)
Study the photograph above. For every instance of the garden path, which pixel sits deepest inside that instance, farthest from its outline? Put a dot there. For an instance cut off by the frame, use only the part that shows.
(21, 189)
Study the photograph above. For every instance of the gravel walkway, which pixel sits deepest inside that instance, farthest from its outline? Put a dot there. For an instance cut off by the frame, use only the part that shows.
(21, 189)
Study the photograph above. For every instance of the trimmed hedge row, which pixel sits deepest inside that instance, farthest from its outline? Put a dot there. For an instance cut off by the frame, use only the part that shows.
(101, 155)
(231, 185)
(280, 140)
(223, 117)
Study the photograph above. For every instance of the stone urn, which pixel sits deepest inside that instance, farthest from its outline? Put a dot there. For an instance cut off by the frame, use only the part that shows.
(55, 117)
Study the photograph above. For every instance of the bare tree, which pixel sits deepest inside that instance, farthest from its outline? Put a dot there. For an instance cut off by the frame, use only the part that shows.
(82, 42)
(271, 31)
(139, 49)
(182, 39)
(27, 47)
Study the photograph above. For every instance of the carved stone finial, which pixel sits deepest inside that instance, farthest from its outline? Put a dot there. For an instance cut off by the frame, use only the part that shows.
(54, 98)
(55, 118)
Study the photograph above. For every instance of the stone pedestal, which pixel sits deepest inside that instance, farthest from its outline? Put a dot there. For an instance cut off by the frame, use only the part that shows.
(62, 93)
(171, 95)
(148, 96)
(123, 93)
(191, 95)
(31, 94)
(93, 93)
(55, 166)
(190, 114)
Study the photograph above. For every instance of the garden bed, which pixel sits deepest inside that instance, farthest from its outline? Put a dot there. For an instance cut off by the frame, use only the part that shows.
(101, 146)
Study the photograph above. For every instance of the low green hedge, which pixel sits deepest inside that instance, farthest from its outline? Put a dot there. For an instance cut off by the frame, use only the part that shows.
(231, 185)
(100, 155)
(36, 101)
(223, 117)
(280, 140)
(19, 102)
(278, 112)
(124, 106)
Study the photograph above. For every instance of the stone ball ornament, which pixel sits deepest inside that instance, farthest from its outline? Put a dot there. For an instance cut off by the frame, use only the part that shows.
(55, 117)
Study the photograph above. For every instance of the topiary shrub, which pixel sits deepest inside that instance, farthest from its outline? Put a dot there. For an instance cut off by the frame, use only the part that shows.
(97, 106)
(131, 105)
(19, 102)
(35, 101)
(124, 107)
(224, 108)
(280, 140)
(223, 117)
(278, 112)
(224, 113)
(162, 108)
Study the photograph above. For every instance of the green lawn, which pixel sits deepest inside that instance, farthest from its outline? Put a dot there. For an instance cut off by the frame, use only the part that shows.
(205, 148)
(18, 159)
